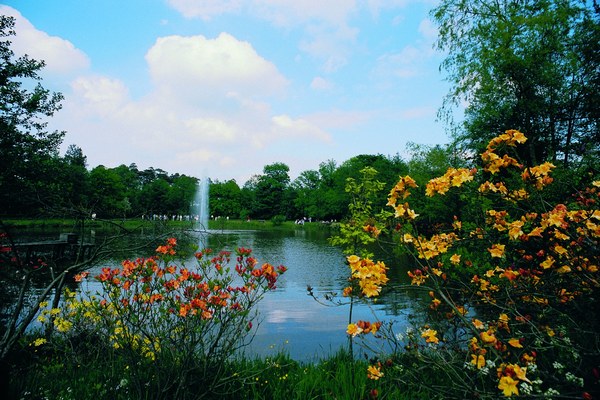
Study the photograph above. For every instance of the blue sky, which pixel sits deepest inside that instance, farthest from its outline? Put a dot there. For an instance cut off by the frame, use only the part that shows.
(224, 87)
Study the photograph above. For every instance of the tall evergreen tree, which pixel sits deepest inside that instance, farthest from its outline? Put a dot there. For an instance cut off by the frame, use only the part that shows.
(28, 152)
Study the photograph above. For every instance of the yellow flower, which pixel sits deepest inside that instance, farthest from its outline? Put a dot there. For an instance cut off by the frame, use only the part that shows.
(353, 330)
(515, 343)
(353, 259)
(455, 259)
(62, 325)
(547, 263)
(39, 341)
(508, 386)
(478, 361)
(407, 238)
(478, 324)
(374, 372)
(430, 336)
(488, 337)
(497, 250)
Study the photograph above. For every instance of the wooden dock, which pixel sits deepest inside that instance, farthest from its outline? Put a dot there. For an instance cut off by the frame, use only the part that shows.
(67, 247)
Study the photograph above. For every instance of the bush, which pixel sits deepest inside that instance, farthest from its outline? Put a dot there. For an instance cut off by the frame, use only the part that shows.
(514, 291)
(174, 329)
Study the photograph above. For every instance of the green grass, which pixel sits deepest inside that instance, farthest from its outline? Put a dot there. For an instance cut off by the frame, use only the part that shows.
(90, 371)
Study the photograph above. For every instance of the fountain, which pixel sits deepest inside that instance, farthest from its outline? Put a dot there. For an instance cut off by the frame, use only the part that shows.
(200, 210)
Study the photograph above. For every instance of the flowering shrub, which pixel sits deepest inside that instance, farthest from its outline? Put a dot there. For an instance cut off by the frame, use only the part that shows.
(184, 323)
(514, 298)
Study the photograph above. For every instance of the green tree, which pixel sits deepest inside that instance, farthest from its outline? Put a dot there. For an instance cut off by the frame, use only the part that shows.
(306, 188)
(27, 150)
(225, 199)
(181, 194)
(107, 192)
(271, 191)
(530, 65)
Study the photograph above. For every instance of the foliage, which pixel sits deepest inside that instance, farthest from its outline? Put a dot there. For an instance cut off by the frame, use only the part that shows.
(531, 65)
(180, 324)
(27, 151)
(514, 299)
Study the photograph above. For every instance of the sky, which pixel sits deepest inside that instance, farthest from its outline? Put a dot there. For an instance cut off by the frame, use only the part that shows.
(221, 88)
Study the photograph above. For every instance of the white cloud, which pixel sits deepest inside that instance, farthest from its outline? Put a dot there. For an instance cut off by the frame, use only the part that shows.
(101, 94)
(428, 30)
(211, 130)
(205, 9)
(60, 55)
(320, 83)
(206, 68)
(284, 125)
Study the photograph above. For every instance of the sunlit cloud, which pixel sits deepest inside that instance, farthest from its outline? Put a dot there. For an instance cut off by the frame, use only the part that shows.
(199, 67)
(60, 55)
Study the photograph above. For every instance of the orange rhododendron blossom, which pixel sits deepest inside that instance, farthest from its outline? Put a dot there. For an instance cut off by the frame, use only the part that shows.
(508, 386)
(478, 324)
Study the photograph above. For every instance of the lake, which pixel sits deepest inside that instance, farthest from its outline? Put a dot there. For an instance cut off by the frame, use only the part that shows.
(289, 319)
(292, 321)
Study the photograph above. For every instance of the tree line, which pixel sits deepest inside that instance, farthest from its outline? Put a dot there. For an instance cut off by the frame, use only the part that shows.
(526, 65)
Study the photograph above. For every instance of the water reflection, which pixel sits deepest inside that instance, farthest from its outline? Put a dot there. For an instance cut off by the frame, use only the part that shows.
(291, 320)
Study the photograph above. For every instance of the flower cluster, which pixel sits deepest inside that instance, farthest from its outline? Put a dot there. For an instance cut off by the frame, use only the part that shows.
(452, 178)
(369, 275)
(363, 327)
(401, 190)
(151, 304)
(537, 263)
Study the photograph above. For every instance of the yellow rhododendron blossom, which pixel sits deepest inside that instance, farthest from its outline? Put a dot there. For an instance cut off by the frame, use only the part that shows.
(478, 324)
(508, 386)
(515, 343)
(455, 259)
(488, 337)
(39, 341)
(564, 269)
(374, 372)
(478, 360)
(497, 250)
(547, 263)
(430, 336)
(353, 330)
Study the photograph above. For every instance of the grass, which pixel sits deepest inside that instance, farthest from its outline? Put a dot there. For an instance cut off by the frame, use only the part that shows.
(134, 224)
(91, 371)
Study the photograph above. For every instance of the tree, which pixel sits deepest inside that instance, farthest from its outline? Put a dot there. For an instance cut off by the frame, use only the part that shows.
(107, 194)
(271, 191)
(530, 65)
(225, 199)
(306, 187)
(26, 148)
